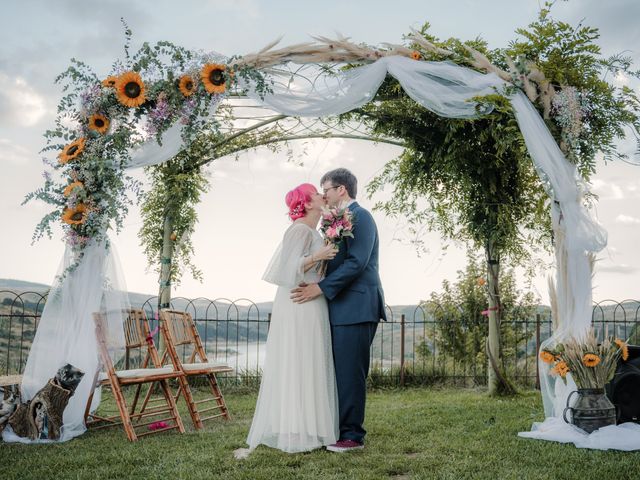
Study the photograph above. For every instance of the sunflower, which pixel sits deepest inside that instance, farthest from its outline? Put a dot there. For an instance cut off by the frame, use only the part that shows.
(416, 55)
(547, 357)
(75, 216)
(590, 359)
(110, 81)
(99, 123)
(71, 151)
(561, 368)
(69, 188)
(213, 77)
(187, 85)
(130, 89)
(622, 345)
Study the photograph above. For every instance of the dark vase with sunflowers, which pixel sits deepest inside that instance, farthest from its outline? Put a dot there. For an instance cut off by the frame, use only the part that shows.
(591, 411)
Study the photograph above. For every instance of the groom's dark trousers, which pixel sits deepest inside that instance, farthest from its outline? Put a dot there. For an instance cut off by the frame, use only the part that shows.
(351, 346)
(356, 305)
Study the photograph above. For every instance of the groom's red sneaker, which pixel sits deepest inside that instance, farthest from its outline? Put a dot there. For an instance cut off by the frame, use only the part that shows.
(345, 446)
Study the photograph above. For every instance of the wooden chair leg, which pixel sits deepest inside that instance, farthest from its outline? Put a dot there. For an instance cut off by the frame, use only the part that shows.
(87, 409)
(217, 393)
(164, 385)
(185, 390)
(124, 412)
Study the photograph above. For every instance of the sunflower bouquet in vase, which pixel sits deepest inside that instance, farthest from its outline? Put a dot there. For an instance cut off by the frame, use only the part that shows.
(592, 365)
(336, 225)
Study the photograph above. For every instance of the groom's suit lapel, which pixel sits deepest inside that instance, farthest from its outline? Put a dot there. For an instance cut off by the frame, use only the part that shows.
(353, 208)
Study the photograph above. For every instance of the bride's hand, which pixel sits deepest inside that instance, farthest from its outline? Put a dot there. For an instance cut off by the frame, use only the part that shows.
(325, 253)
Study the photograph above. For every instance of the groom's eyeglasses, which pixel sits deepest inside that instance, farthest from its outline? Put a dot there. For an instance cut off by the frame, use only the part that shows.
(325, 190)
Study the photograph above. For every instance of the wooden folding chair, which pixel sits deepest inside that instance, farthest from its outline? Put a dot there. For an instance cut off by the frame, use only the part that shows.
(179, 329)
(137, 335)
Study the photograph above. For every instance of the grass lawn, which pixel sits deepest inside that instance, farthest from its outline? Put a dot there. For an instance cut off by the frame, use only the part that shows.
(415, 433)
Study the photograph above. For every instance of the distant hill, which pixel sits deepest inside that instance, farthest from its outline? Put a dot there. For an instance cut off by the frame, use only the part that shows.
(22, 286)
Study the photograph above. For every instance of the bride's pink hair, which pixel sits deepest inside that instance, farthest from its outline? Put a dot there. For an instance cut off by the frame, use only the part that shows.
(297, 198)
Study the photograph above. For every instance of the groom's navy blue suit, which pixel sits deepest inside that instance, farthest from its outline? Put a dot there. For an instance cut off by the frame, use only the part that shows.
(356, 305)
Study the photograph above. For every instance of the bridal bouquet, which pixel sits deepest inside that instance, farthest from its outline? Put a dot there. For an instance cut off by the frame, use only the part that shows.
(336, 225)
(590, 363)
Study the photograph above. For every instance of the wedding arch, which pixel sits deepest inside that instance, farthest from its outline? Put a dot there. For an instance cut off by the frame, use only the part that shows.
(158, 103)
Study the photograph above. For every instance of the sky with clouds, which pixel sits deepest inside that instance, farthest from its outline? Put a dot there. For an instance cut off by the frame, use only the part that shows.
(242, 217)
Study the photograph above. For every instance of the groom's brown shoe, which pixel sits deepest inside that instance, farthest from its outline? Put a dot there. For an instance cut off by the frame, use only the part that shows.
(345, 446)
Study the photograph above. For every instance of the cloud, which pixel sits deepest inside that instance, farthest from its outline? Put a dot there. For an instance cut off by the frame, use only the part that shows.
(11, 152)
(606, 190)
(621, 79)
(245, 7)
(633, 187)
(617, 22)
(627, 219)
(96, 12)
(622, 268)
(19, 103)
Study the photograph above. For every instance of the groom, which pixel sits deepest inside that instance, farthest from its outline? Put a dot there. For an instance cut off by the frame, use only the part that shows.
(356, 305)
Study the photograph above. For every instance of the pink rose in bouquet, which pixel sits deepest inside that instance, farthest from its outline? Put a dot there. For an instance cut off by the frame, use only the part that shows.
(331, 233)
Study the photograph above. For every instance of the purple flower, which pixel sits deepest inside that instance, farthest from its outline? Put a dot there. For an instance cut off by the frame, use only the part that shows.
(90, 95)
(161, 111)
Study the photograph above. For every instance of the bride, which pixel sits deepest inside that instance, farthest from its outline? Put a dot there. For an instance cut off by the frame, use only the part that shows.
(297, 404)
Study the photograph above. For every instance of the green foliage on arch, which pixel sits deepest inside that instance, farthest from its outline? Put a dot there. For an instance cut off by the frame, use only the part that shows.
(590, 110)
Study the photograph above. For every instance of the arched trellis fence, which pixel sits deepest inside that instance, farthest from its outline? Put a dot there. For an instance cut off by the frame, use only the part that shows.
(417, 346)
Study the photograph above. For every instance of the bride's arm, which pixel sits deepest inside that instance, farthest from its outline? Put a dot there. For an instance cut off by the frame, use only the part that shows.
(289, 263)
(309, 262)
(325, 253)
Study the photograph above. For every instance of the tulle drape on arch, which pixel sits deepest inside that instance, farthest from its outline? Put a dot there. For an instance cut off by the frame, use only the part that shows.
(66, 331)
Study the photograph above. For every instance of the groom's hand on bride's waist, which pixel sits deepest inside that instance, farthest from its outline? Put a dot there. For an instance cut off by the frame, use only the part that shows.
(305, 292)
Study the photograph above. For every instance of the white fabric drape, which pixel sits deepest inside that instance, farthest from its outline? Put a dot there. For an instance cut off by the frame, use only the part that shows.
(442, 87)
(446, 89)
(614, 437)
(153, 153)
(66, 331)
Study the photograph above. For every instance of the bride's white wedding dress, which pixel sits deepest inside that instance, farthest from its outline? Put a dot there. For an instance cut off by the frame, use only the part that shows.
(297, 404)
